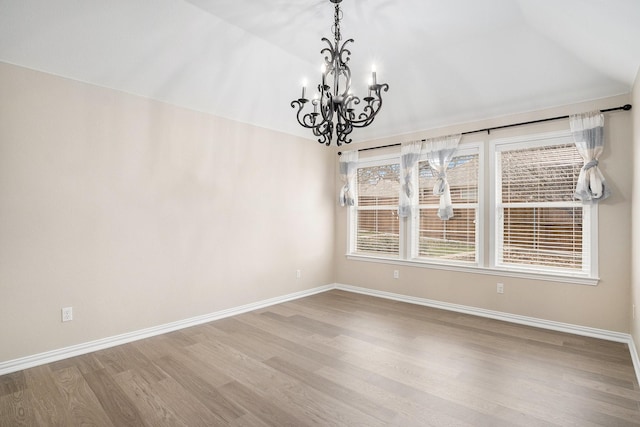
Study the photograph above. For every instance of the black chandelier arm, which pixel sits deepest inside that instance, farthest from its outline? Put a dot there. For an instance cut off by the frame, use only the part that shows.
(326, 111)
(307, 120)
(381, 86)
(343, 130)
(323, 129)
(328, 60)
(299, 103)
(344, 51)
(304, 120)
(324, 132)
(369, 111)
(366, 116)
(347, 112)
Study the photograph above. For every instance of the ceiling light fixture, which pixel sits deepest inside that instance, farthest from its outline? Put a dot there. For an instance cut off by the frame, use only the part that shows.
(333, 106)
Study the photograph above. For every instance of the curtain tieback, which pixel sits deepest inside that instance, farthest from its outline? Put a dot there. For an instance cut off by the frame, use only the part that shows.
(590, 164)
(407, 188)
(440, 185)
(345, 196)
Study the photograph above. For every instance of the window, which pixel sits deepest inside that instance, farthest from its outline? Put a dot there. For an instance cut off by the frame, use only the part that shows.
(538, 223)
(377, 231)
(377, 227)
(455, 240)
(531, 225)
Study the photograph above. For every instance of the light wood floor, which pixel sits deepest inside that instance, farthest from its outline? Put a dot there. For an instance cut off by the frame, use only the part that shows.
(336, 359)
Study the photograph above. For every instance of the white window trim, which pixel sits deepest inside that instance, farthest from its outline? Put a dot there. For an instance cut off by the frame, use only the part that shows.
(590, 211)
(353, 210)
(412, 224)
(486, 259)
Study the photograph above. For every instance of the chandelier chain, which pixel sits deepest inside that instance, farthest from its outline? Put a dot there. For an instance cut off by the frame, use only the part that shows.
(336, 26)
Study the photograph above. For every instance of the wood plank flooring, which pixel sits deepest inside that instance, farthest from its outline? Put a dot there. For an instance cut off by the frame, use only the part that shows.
(336, 359)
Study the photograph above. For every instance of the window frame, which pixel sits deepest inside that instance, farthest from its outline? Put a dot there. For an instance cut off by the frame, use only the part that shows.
(485, 230)
(352, 228)
(465, 149)
(589, 212)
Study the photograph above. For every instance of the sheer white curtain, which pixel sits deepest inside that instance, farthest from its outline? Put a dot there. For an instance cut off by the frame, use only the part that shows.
(409, 156)
(439, 153)
(588, 134)
(348, 170)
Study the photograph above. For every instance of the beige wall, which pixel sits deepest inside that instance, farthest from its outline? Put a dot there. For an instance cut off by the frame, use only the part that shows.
(131, 211)
(139, 213)
(635, 251)
(604, 306)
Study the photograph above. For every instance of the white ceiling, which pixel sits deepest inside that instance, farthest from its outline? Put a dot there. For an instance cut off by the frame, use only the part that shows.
(445, 61)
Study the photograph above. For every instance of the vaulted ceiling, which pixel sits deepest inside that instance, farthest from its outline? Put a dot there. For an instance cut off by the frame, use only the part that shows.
(446, 61)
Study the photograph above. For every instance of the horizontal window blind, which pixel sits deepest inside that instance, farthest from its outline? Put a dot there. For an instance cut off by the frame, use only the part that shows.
(455, 239)
(377, 229)
(541, 174)
(539, 222)
(543, 236)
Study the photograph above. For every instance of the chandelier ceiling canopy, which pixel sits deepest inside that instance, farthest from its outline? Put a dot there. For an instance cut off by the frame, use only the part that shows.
(334, 109)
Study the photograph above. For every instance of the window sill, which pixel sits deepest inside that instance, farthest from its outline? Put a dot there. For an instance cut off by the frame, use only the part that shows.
(503, 272)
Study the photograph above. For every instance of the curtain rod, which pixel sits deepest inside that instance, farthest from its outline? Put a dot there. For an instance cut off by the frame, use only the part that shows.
(625, 107)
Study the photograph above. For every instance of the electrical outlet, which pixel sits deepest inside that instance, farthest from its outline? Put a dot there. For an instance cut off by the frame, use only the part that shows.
(298, 274)
(396, 274)
(500, 288)
(67, 314)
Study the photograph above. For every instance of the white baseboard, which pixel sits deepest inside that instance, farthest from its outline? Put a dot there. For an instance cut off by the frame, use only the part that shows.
(634, 357)
(507, 317)
(498, 315)
(88, 347)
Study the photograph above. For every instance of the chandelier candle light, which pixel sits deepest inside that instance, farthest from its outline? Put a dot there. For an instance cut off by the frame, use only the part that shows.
(333, 106)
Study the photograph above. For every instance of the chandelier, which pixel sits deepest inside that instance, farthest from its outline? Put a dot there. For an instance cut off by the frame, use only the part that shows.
(334, 106)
